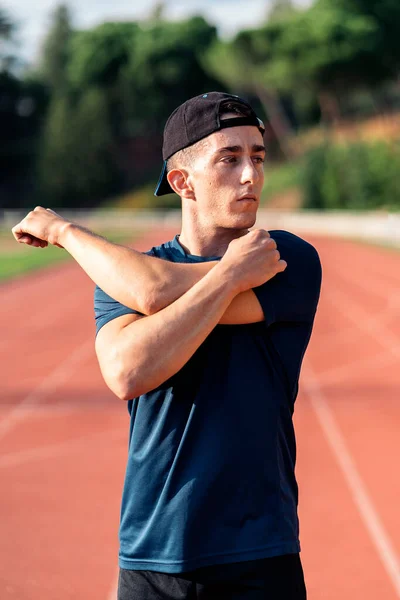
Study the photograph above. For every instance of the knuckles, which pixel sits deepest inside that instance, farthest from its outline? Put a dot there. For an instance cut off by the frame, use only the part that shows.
(258, 234)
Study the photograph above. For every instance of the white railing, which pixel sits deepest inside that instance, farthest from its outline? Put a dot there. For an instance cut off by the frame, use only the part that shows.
(378, 227)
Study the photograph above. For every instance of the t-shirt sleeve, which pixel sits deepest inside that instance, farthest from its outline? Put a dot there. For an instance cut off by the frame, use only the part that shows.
(106, 309)
(293, 294)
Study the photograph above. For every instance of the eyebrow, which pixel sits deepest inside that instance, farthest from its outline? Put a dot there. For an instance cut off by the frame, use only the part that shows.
(236, 149)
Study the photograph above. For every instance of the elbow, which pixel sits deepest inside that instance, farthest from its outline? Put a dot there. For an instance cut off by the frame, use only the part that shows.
(130, 384)
(145, 303)
(122, 381)
(124, 386)
(152, 305)
(151, 302)
(120, 389)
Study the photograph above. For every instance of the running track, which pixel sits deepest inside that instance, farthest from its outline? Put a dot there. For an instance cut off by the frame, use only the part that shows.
(63, 436)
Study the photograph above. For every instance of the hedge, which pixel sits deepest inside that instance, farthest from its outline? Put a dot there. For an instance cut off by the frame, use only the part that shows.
(355, 176)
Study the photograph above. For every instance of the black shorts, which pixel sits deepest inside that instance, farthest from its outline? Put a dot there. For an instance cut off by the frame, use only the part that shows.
(276, 578)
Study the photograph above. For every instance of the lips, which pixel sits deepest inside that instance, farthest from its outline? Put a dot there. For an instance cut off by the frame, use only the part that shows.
(248, 197)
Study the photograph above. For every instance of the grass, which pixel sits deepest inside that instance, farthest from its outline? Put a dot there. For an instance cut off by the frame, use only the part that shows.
(17, 259)
(143, 198)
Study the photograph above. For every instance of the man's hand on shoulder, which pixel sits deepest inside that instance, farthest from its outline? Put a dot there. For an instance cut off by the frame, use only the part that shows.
(40, 227)
(252, 260)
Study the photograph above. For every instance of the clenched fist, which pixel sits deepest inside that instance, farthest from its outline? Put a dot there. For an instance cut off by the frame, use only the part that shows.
(253, 259)
(40, 227)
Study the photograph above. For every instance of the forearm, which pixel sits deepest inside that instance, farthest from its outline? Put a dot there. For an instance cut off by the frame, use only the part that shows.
(142, 282)
(150, 351)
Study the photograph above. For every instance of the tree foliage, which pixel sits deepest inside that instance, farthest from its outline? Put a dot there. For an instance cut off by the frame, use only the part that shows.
(165, 69)
(99, 54)
(356, 176)
(6, 25)
(280, 10)
(113, 86)
(55, 52)
(77, 159)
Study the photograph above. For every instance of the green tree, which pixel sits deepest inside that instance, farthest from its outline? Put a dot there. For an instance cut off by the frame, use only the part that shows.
(55, 52)
(77, 165)
(55, 169)
(98, 57)
(242, 64)
(98, 54)
(328, 51)
(92, 154)
(280, 9)
(158, 12)
(6, 32)
(165, 70)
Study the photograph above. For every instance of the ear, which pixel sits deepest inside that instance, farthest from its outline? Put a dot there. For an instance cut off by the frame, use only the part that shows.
(179, 180)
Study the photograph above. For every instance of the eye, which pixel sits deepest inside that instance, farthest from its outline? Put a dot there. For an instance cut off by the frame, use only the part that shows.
(229, 159)
(259, 159)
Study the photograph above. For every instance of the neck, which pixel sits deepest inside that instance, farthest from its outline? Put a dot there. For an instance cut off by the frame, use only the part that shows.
(201, 241)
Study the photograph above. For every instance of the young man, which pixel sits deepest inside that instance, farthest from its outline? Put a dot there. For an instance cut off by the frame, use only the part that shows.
(206, 346)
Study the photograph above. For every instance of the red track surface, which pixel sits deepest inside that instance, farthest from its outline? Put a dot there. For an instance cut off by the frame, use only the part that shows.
(63, 436)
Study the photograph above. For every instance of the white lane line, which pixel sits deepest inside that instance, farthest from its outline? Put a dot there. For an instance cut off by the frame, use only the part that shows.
(64, 407)
(374, 327)
(50, 451)
(53, 381)
(357, 488)
(114, 588)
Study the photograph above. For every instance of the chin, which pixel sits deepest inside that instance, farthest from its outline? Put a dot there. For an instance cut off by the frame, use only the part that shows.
(243, 221)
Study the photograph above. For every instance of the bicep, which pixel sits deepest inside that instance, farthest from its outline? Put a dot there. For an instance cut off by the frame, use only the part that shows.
(107, 341)
(244, 309)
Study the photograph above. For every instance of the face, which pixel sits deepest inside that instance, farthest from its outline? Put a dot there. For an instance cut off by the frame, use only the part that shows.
(227, 177)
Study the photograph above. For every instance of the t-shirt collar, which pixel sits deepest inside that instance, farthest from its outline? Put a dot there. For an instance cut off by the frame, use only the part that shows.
(190, 257)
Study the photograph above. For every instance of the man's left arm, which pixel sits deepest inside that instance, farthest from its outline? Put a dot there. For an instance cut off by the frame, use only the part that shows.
(293, 295)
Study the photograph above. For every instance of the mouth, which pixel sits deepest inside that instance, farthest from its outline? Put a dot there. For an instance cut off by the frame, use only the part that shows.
(248, 198)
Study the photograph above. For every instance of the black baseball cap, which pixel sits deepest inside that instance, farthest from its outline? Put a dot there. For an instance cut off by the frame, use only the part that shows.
(194, 120)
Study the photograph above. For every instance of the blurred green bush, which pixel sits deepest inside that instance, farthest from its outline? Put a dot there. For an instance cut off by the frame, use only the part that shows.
(358, 176)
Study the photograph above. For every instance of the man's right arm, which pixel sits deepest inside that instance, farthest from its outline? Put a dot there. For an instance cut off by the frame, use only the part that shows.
(143, 283)
(148, 284)
(137, 354)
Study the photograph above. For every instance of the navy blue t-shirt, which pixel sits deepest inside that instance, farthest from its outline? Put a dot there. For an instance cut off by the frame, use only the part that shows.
(210, 473)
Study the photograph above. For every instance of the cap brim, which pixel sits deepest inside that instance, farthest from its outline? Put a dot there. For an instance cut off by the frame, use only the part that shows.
(163, 186)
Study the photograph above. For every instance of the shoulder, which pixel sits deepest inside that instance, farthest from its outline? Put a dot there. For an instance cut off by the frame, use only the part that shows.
(289, 242)
(300, 282)
(301, 255)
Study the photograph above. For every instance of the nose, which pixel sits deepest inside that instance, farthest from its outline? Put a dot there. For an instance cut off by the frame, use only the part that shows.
(249, 172)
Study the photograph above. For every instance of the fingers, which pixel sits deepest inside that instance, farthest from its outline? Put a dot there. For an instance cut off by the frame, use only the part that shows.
(282, 264)
(16, 231)
(28, 239)
(263, 237)
(25, 239)
(259, 230)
